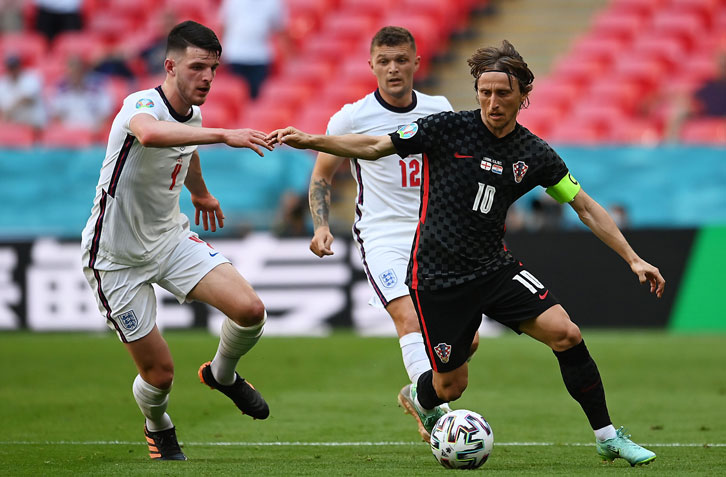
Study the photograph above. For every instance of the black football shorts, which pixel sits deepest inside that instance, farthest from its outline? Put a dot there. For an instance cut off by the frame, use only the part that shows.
(450, 317)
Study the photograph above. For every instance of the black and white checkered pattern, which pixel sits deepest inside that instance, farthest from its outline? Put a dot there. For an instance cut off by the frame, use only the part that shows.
(456, 241)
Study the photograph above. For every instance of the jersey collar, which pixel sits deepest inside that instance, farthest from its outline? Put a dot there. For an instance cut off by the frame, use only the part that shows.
(396, 109)
(174, 114)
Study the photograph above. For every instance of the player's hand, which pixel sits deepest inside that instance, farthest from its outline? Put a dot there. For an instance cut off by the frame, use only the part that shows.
(248, 138)
(322, 241)
(647, 273)
(290, 136)
(208, 208)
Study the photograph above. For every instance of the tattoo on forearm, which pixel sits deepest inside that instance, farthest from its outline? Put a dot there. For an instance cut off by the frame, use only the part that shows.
(320, 202)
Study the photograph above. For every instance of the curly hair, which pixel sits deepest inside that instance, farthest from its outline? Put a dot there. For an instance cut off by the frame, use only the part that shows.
(504, 59)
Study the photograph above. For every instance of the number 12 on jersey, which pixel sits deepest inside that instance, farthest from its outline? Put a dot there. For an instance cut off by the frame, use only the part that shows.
(484, 198)
(410, 173)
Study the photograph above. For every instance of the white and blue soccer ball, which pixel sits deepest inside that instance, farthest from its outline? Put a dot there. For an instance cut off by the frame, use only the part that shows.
(462, 439)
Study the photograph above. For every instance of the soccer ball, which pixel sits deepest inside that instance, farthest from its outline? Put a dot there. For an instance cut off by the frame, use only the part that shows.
(462, 439)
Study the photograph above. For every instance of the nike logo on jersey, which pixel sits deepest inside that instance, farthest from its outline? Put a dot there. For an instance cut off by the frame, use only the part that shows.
(461, 156)
(213, 254)
(544, 295)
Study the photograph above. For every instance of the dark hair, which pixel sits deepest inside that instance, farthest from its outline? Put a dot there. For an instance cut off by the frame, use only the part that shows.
(191, 33)
(504, 59)
(393, 36)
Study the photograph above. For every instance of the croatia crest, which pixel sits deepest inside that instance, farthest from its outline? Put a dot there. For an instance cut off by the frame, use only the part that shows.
(443, 351)
(128, 320)
(520, 169)
(388, 278)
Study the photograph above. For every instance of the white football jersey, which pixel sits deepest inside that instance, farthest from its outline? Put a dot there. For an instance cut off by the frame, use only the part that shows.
(135, 214)
(387, 203)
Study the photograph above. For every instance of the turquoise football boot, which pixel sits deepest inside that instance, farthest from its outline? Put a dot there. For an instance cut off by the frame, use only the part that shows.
(621, 446)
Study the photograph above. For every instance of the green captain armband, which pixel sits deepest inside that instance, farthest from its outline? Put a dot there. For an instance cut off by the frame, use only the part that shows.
(565, 190)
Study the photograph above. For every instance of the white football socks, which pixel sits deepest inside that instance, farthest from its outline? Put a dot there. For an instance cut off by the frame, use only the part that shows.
(414, 355)
(605, 433)
(234, 342)
(152, 401)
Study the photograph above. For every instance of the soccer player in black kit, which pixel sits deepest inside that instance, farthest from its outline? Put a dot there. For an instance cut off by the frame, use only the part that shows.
(476, 164)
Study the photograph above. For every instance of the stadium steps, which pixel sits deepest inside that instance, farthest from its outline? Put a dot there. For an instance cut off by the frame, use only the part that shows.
(541, 31)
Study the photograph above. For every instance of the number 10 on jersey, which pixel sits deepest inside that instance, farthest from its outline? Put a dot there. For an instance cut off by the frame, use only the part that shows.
(484, 198)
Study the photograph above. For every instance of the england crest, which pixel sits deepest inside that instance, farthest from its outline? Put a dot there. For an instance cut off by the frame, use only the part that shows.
(128, 320)
(388, 278)
(520, 169)
(443, 351)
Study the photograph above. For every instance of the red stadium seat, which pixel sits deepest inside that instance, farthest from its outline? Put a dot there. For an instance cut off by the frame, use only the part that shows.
(602, 49)
(621, 25)
(314, 119)
(704, 9)
(540, 119)
(356, 69)
(287, 91)
(308, 71)
(368, 8)
(112, 26)
(580, 71)
(428, 33)
(704, 131)
(16, 135)
(686, 27)
(574, 132)
(554, 95)
(83, 44)
(63, 137)
(267, 116)
(444, 13)
(31, 47)
(350, 27)
(635, 131)
(625, 95)
(602, 117)
(666, 49)
(339, 93)
(646, 73)
(217, 115)
(230, 90)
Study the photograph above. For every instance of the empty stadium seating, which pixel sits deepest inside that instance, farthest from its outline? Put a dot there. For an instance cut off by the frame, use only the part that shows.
(635, 55)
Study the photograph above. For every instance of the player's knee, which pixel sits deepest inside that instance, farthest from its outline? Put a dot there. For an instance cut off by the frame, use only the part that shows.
(567, 337)
(474, 345)
(160, 376)
(452, 390)
(250, 313)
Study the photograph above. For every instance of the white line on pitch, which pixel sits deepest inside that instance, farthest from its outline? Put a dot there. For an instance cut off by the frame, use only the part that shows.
(343, 444)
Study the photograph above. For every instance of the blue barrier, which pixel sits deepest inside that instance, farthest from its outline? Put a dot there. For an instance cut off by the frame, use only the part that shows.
(50, 192)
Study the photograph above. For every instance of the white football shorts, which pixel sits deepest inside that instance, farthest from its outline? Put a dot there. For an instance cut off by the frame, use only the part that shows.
(385, 263)
(126, 297)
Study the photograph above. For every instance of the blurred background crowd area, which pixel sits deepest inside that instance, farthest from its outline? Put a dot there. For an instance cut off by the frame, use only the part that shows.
(609, 73)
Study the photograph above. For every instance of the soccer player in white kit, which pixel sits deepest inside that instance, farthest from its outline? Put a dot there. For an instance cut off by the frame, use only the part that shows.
(388, 199)
(137, 236)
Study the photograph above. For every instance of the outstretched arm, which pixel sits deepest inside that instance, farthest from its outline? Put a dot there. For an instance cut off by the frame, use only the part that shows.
(360, 146)
(602, 225)
(154, 133)
(321, 183)
(205, 204)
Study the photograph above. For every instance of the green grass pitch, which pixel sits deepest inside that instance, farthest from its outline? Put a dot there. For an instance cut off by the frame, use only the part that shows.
(66, 407)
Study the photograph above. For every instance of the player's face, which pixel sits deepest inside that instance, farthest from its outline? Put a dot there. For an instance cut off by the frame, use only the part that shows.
(499, 100)
(394, 67)
(193, 73)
